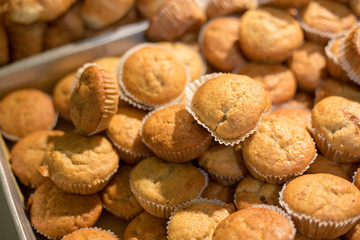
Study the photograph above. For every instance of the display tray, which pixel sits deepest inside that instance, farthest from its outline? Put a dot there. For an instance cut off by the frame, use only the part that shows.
(42, 71)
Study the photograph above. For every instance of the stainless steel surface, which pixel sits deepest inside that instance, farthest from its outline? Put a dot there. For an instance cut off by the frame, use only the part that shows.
(42, 71)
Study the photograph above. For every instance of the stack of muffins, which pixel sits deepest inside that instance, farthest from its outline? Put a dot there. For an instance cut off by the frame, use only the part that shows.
(239, 133)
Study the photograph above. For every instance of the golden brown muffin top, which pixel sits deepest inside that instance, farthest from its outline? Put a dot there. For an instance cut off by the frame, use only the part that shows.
(172, 128)
(28, 154)
(322, 196)
(61, 95)
(166, 183)
(300, 116)
(108, 63)
(332, 87)
(75, 158)
(308, 63)
(278, 80)
(223, 160)
(94, 99)
(219, 43)
(146, 226)
(337, 120)
(56, 213)
(196, 221)
(279, 147)
(216, 8)
(117, 196)
(215, 190)
(224, 113)
(254, 223)
(250, 192)
(90, 234)
(32, 106)
(154, 75)
(327, 16)
(269, 35)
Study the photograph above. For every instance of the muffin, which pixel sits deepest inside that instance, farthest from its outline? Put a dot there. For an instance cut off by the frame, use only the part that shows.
(163, 26)
(79, 164)
(147, 8)
(335, 128)
(124, 133)
(259, 222)
(94, 100)
(232, 117)
(90, 234)
(55, 213)
(195, 220)
(250, 192)
(150, 76)
(325, 19)
(174, 135)
(61, 95)
(278, 151)
(298, 115)
(332, 52)
(278, 80)
(146, 226)
(224, 164)
(332, 87)
(269, 43)
(356, 178)
(28, 154)
(108, 63)
(308, 63)
(216, 8)
(218, 41)
(215, 190)
(161, 186)
(354, 233)
(32, 106)
(323, 206)
(117, 196)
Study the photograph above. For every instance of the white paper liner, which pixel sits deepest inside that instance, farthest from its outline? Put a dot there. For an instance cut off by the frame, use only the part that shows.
(195, 200)
(131, 99)
(82, 188)
(190, 92)
(87, 228)
(330, 151)
(315, 228)
(39, 232)
(162, 210)
(353, 177)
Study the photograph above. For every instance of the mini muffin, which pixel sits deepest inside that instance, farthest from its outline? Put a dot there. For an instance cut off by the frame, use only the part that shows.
(90, 234)
(55, 213)
(285, 3)
(100, 14)
(332, 87)
(196, 220)
(215, 190)
(354, 233)
(216, 8)
(61, 95)
(250, 192)
(161, 186)
(259, 222)
(224, 164)
(332, 57)
(4, 45)
(189, 56)
(230, 117)
(151, 75)
(28, 154)
(117, 196)
(94, 100)
(163, 26)
(323, 206)
(278, 151)
(355, 6)
(32, 106)
(335, 127)
(174, 135)
(124, 133)
(272, 42)
(79, 164)
(308, 63)
(298, 115)
(218, 41)
(325, 19)
(278, 80)
(146, 226)
(147, 8)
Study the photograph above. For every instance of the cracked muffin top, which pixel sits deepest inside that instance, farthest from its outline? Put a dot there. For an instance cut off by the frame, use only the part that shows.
(229, 105)
(337, 119)
(322, 196)
(295, 114)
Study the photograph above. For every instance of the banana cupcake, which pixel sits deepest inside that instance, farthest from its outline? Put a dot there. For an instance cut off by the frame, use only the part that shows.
(61, 95)
(216, 8)
(32, 106)
(161, 186)
(298, 115)
(91, 234)
(332, 87)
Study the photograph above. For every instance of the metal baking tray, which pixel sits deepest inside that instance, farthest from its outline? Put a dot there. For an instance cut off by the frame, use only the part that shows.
(42, 71)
